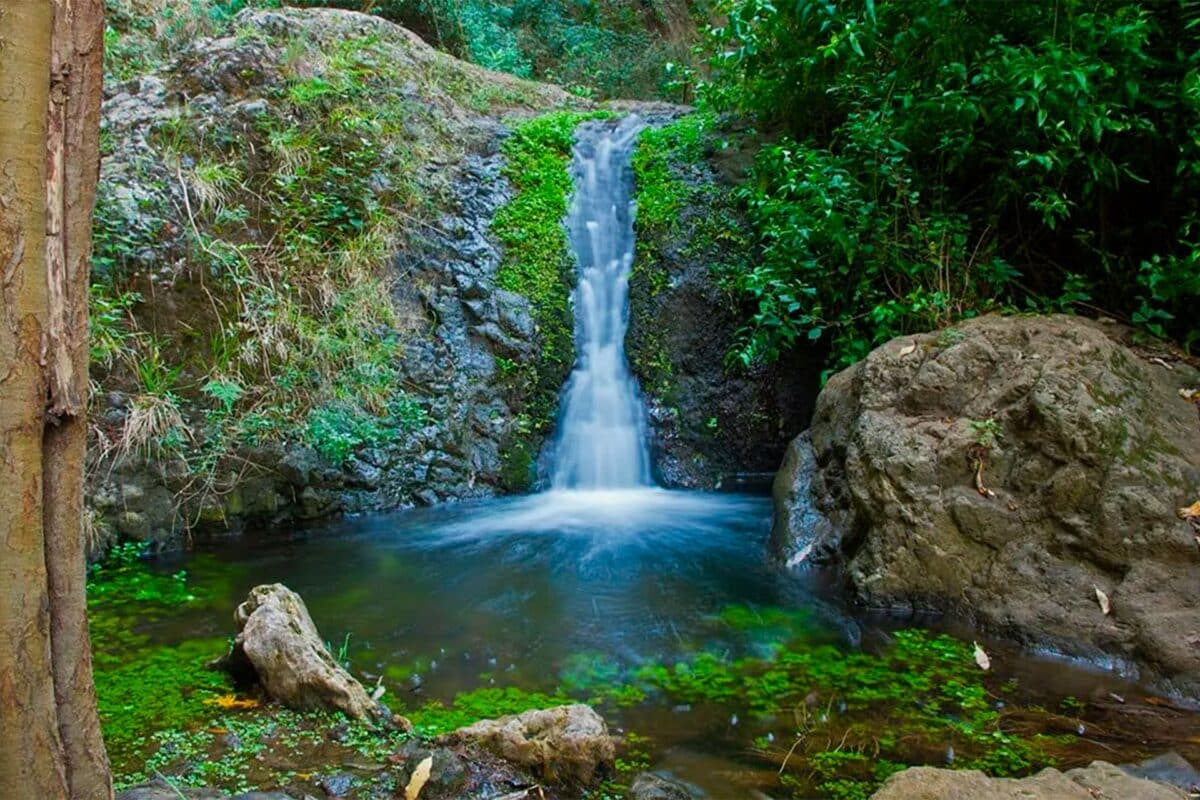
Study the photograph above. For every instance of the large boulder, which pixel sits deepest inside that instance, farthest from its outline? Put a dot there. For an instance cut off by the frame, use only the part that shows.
(277, 639)
(566, 744)
(1099, 781)
(1025, 471)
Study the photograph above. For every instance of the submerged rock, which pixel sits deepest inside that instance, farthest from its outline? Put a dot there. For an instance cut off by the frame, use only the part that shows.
(277, 640)
(1170, 768)
(566, 744)
(161, 790)
(649, 786)
(1025, 471)
(1098, 781)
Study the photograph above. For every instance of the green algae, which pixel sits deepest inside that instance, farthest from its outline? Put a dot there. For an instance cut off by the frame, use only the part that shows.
(143, 687)
(857, 716)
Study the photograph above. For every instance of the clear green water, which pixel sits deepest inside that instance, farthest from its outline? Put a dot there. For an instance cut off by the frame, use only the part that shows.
(660, 608)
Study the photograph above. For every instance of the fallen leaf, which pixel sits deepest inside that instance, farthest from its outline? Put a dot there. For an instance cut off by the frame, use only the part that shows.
(417, 782)
(908, 350)
(1161, 363)
(230, 702)
(1190, 512)
(378, 693)
(981, 658)
(1191, 395)
(1102, 599)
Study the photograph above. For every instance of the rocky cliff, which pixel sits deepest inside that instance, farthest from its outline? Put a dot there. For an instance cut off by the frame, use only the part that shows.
(296, 310)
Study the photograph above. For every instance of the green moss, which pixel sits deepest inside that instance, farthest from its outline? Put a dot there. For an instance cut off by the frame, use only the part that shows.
(486, 703)
(682, 214)
(661, 154)
(538, 265)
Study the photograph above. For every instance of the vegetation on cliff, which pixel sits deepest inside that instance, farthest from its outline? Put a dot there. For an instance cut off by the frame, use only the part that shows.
(244, 284)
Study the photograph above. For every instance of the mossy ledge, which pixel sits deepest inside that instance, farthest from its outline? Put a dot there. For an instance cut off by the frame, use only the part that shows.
(538, 265)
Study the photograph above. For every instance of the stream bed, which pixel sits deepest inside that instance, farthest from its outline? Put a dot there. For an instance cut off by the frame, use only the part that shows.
(660, 608)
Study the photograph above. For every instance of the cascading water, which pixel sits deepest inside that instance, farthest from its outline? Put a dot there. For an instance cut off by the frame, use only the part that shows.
(602, 431)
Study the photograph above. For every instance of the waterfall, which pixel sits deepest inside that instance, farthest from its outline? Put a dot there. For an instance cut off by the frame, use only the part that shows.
(602, 431)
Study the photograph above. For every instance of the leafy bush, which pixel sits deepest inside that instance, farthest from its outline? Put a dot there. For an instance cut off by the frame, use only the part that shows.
(935, 160)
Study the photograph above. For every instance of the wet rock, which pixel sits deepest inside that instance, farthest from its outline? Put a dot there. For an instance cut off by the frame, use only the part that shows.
(277, 639)
(338, 785)
(447, 774)
(1169, 768)
(1099, 781)
(566, 744)
(1007, 469)
(161, 790)
(649, 786)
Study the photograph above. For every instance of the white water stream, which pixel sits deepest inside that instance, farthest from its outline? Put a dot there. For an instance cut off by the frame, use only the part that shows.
(602, 430)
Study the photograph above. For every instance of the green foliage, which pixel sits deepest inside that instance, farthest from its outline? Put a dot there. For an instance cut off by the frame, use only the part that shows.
(338, 430)
(609, 48)
(141, 687)
(225, 391)
(140, 35)
(538, 265)
(922, 688)
(937, 160)
(987, 432)
(661, 194)
(109, 325)
(162, 687)
(469, 707)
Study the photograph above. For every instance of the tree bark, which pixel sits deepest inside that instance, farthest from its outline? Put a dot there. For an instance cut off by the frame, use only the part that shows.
(50, 83)
(73, 166)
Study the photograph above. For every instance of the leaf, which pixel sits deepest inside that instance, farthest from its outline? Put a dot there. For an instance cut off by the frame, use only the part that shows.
(1190, 512)
(1102, 599)
(419, 777)
(981, 658)
(908, 350)
(229, 702)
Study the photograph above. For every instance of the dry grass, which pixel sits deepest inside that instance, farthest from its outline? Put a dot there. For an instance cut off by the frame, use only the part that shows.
(150, 420)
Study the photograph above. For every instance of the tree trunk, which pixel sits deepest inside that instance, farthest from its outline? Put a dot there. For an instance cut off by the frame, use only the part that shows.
(50, 82)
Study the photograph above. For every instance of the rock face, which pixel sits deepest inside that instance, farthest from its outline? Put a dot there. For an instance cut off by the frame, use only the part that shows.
(1099, 781)
(452, 319)
(565, 744)
(278, 640)
(710, 424)
(1025, 471)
